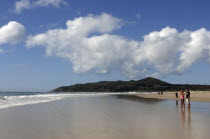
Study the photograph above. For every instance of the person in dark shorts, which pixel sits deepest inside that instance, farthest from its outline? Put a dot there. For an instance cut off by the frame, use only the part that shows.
(188, 96)
(176, 94)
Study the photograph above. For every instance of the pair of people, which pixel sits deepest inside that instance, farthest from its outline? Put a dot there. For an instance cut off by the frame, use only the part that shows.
(182, 97)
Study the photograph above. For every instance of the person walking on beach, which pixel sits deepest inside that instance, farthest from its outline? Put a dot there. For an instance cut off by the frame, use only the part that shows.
(176, 94)
(182, 98)
(188, 96)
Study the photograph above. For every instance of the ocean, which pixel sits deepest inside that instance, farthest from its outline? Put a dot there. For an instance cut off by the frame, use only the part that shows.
(11, 99)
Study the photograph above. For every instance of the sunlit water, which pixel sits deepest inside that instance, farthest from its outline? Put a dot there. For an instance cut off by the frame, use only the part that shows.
(106, 117)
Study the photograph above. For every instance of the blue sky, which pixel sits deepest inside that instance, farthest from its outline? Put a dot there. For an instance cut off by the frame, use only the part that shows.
(27, 66)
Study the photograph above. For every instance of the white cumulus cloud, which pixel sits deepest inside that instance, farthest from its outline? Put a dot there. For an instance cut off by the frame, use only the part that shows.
(11, 33)
(28, 4)
(89, 43)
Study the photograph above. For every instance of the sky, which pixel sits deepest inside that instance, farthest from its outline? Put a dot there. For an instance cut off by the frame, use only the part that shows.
(45, 44)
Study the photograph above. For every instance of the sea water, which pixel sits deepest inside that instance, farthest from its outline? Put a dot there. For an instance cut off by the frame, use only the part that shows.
(11, 99)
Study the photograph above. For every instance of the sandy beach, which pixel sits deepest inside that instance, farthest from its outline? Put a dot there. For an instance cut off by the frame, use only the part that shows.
(197, 96)
(106, 117)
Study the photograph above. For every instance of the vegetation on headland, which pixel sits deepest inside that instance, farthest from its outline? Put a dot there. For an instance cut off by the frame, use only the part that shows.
(148, 84)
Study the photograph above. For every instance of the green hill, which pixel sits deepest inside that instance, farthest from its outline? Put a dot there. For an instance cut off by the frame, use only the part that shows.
(146, 84)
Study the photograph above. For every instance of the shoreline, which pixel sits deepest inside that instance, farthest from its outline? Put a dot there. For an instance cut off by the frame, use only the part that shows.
(196, 96)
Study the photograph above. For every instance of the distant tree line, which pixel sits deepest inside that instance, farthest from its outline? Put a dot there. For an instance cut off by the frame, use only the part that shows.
(148, 84)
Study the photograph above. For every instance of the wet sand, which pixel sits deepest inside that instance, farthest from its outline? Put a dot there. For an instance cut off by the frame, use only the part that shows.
(198, 96)
(106, 117)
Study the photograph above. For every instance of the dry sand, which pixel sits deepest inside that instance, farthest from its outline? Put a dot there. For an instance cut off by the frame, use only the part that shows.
(198, 96)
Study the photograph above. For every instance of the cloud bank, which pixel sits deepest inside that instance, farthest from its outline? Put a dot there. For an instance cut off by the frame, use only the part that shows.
(90, 45)
(28, 4)
(11, 33)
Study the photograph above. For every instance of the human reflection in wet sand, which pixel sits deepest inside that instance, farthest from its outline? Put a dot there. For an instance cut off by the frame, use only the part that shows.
(189, 116)
(177, 106)
(177, 102)
(182, 111)
(184, 116)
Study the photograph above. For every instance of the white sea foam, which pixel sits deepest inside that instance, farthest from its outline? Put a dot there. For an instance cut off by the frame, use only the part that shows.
(11, 101)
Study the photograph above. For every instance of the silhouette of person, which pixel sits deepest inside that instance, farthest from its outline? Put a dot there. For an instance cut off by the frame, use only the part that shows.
(188, 96)
(176, 94)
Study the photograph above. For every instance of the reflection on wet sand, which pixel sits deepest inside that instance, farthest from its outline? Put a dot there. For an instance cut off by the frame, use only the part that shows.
(106, 117)
(189, 116)
(185, 118)
(139, 99)
(182, 112)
